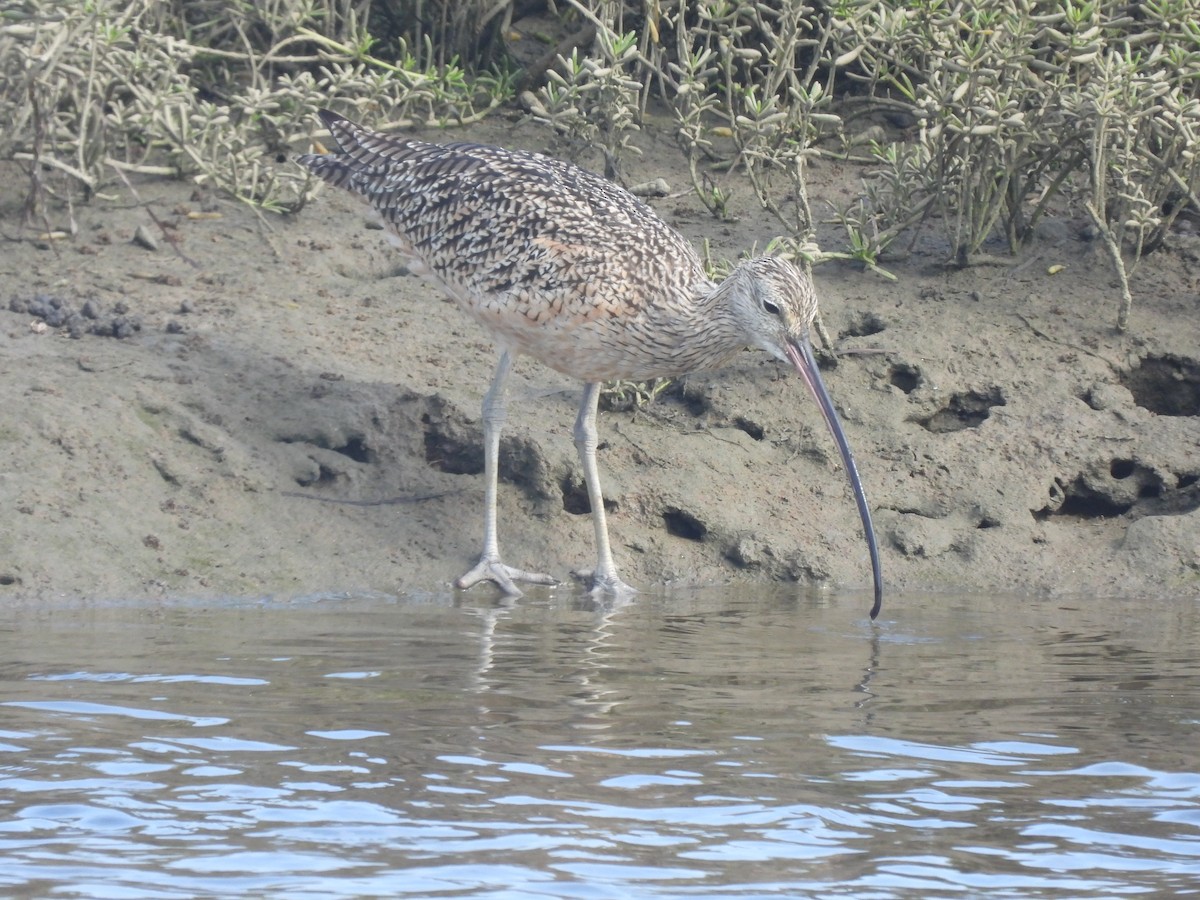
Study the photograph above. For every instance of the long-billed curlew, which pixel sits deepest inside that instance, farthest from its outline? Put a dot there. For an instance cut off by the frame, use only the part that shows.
(563, 265)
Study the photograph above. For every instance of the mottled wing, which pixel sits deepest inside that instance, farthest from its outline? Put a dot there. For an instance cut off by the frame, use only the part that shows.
(555, 261)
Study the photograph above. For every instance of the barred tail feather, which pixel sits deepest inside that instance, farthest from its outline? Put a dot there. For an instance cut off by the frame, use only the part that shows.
(328, 167)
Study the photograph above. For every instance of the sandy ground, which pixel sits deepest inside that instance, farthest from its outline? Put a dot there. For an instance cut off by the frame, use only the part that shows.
(285, 412)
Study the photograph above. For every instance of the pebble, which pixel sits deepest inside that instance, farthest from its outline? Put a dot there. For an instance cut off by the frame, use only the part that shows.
(143, 238)
(55, 312)
(656, 188)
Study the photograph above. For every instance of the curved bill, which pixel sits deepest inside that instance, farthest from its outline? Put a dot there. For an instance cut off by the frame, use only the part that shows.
(799, 351)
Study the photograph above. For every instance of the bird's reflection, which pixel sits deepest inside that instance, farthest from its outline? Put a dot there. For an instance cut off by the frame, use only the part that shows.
(584, 631)
(864, 684)
(575, 650)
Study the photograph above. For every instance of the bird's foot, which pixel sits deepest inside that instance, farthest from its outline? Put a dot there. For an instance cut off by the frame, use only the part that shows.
(605, 585)
(504, 577)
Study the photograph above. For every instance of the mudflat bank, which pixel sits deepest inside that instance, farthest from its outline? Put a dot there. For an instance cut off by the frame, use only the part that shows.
(281, 410)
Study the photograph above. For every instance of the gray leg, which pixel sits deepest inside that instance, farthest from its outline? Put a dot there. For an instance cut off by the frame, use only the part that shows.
(604, 578)
(489, 567)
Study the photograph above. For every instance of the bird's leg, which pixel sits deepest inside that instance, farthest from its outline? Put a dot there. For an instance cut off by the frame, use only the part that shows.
(489, 567)
(604, 578)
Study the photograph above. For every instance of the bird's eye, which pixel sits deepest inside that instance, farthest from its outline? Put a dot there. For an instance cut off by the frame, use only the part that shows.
(770, 308)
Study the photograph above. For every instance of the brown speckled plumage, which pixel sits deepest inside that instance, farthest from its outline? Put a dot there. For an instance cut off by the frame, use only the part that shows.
(567, 267)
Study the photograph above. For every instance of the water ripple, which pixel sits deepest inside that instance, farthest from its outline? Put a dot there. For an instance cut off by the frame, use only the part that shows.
(705, 746)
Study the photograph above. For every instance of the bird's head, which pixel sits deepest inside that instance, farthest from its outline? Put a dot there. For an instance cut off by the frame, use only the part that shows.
(775, 303)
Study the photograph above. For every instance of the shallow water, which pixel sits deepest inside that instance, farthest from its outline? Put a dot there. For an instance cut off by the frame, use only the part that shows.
(710, 744)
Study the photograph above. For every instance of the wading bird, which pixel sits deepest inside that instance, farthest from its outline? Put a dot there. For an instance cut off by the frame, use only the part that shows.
(578, 273)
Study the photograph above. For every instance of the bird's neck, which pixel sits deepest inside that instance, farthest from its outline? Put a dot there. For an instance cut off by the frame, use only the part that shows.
(711, 333)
